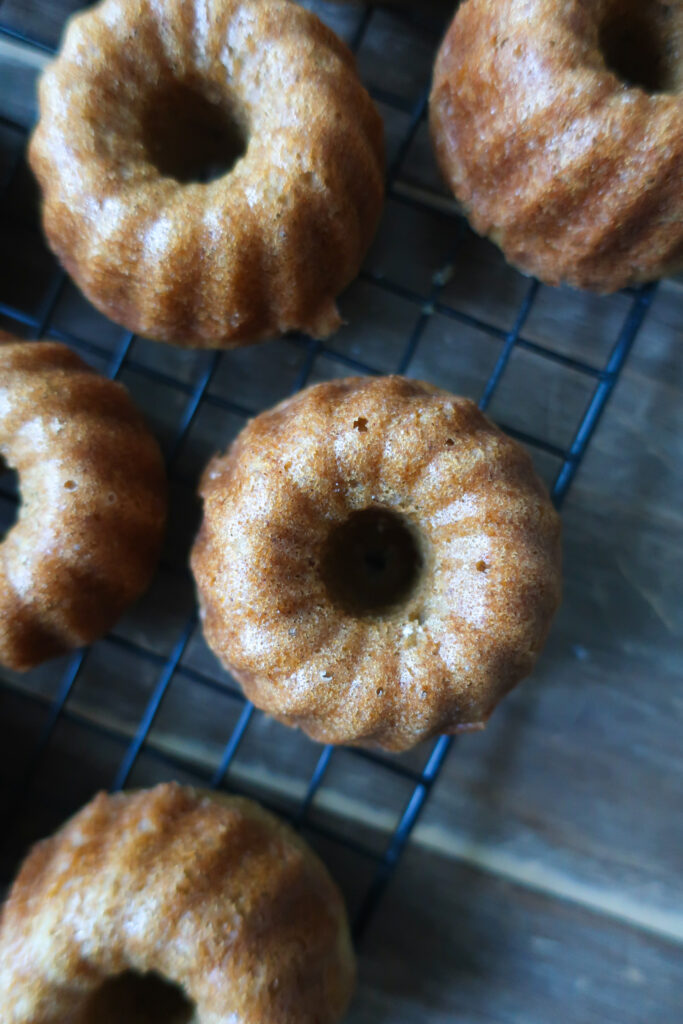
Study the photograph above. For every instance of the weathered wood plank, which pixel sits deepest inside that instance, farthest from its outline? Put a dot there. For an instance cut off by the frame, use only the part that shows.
(453, 944)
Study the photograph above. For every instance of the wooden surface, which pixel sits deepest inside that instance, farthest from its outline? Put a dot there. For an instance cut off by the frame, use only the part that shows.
(545, 878)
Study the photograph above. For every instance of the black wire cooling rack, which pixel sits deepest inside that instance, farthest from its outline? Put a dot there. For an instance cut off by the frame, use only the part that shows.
(190, 378)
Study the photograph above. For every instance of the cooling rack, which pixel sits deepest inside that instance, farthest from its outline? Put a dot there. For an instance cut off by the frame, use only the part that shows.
(148, 702)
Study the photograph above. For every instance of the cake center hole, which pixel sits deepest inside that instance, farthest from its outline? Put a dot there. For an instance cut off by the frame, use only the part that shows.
(9, 499)
(189, 138)
(371, 562)
(132, 998)
(642, 43)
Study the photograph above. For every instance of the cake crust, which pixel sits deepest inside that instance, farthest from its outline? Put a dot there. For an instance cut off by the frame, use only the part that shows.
(93, 502)
(573, 172)
(485, 589)
(211, 892)
(264, 248)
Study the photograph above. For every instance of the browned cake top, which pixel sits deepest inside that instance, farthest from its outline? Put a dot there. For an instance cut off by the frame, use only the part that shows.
(210, 892)
(93, 502)
(377, 562)
(559, 126)
(143, 102)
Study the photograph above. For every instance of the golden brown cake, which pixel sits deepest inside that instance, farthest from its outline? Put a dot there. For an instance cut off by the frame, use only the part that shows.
(93, 508)
(211, 893)
(558, 124)
(377, 562)
(145, 96)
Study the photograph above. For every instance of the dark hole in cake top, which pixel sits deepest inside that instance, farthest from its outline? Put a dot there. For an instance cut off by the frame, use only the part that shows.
(190, 138)
(10, 499)
(132, 998)
(371, 562)
(641, 41)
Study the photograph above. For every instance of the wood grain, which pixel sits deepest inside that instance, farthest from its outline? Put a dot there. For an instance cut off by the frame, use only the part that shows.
(455, 945)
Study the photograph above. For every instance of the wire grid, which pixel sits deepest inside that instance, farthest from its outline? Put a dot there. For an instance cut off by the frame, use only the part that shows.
(197, 394)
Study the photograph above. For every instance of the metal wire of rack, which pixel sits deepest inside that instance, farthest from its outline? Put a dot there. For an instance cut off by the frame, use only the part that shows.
(197, 393)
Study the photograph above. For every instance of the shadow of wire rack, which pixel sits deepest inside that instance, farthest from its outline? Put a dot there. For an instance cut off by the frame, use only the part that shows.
(148, 702)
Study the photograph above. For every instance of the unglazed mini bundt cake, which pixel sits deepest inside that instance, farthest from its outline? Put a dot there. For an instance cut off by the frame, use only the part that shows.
(93, 508)
(377, 562)
(559, 126)
(141, 93)
(211, 893)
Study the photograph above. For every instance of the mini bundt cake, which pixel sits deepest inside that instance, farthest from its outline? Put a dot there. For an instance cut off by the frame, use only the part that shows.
(377, 562)
(144, 92)
(209, 893)
(93, 502)
(558, 124)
